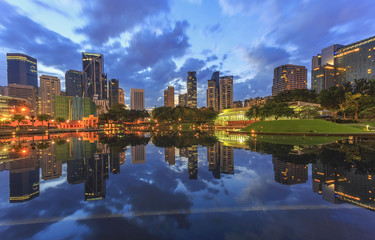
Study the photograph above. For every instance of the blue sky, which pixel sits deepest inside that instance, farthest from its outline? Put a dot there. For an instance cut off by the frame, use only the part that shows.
(152, 44)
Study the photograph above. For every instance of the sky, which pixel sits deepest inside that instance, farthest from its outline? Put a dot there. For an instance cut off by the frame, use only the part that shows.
(153, 44)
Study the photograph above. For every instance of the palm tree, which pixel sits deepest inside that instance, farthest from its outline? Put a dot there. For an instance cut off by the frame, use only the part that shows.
(19, 118)
(60, 120)
(32, 119)
(43, 117)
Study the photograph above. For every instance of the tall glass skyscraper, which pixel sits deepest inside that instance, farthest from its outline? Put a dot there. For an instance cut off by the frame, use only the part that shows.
(93, 66)
(22, 70)
(113, 92)
(74, 83)
(192, 90)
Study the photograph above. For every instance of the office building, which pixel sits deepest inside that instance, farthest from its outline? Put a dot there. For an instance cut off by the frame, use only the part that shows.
(121, 96)
(51, 168)
(213, 92)
(113, 92)
(49, 87)
(192, 90)
(95, 174)
(322, 69)
(75, 170)
(238, 104)
(182, 100)
(138, 154)
(289, 173)
(355, 61)
(25, 92)
(4, 91)
(226, 93)
(169, 97)
(73, 108)
(22, 70)
(170, 156)
(289, 77)
(193, 162)
(74, 83)
(93, 66)
(137, 99)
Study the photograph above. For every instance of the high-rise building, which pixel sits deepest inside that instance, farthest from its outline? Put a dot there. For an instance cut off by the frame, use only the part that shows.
(137, 99)
(289, 173)
(73, 108)
(237, 104)
(220, 159)
(226, 93)
(170, 156)
(49, 87)
(26, 92)
(22, 69)
(192, 90)
(182, 100)
(169, 97)
(121, 96)
(193, 162)
(51, 168)
(289, 77)
(74, 83)
(93, 66)
(75, 171)
(113, 92)
(138, 154)
(355, 61)
(95, 177)
(213, 92)
(322, 69)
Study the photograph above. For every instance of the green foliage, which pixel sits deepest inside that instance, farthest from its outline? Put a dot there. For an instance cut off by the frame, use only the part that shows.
(368, 113)
(308, 112)
(60, 119)
(19, 118)
(301, 126)
(270, 109)
(118, 113)
(184, 114)
(44, 117)
(303, 95)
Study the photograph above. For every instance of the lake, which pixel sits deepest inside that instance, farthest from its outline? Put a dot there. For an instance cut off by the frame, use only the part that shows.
(186, 186)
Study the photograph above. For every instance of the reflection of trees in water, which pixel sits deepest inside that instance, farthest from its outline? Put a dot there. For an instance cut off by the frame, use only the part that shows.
(183, 140)
(119, 142)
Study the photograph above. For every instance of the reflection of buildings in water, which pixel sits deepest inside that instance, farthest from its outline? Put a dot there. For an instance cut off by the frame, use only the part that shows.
(51, 168)
(184, 152)
(193, 162)
(95, 174)
(122, 157)
(170, 155)
(75, 171)
(338, 185)
(138, 154)
(289, 173)
(220, 159)
(115, 159)
(24, 180)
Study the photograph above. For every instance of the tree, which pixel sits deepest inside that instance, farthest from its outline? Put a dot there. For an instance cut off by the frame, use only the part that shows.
(308, 112)
(60, 120)
(19, 118)
(43, 117)
(253, 112)
(351, 104)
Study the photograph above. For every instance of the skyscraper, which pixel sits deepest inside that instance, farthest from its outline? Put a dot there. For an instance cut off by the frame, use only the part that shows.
(289, 77)
(192, 90)
(322, 69)
(193, 162)
(121, 96)
(138, 154)
(289, 173)
(355, 61)
(137, 99)
(113, 92)
(169, 97)
(182, 100)
(74, 83)
(51, 168)
(49, 87)
(22, 69)
(95, 177)
(226, 93)
(93, 66)
(170, 156)
(213, 92)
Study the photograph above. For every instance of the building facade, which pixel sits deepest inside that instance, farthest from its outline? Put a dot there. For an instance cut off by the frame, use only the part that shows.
(121, 96)
(226, 93)
(213, 91)
(22, 70)
(74, 83)
(73, 108)
(26, 92)
(192, 90)
(49, 87)
(182, 100)
(322, 69)
(137, 99)
(238, 104)
(355, 61)
(289, 77)
(93, 66)
(113, 92)
(169, 97)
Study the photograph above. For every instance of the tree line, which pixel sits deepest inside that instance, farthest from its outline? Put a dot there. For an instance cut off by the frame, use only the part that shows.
(118, 113)
(184, 114)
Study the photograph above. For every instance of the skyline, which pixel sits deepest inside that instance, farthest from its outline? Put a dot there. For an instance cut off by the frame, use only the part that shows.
(152, 45)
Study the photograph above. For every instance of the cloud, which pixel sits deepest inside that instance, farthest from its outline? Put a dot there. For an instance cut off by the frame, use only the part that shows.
(108, 20)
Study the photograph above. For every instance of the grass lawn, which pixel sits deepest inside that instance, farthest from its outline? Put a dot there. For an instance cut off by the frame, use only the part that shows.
(301, 126)
(296, 140)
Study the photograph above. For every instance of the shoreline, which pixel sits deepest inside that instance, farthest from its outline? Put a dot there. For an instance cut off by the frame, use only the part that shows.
(304, 134)
(46, 131)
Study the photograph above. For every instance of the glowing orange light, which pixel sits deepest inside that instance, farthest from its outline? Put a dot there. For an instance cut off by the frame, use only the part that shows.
(23, 109)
